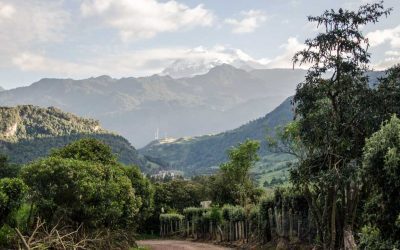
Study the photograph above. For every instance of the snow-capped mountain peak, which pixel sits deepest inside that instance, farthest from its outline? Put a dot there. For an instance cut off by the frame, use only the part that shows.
(200, 60)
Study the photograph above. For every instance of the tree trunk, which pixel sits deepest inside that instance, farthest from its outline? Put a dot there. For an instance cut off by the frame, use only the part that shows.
(348, 237)
(333, 221)
(290, 224)
(192, 227)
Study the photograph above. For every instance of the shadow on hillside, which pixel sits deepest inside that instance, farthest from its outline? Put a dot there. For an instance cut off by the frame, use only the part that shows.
(27, 150)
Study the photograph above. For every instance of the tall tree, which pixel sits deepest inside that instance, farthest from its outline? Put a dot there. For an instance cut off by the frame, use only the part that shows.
(334, 118)
(233, 184)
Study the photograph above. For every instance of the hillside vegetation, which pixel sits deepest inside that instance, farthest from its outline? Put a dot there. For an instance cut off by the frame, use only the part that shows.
(30, 132)
(203, 154)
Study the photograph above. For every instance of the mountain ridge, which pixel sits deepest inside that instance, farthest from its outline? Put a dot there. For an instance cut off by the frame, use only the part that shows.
(203, 104)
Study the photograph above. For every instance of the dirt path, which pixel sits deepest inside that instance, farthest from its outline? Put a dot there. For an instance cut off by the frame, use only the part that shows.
(178, 245)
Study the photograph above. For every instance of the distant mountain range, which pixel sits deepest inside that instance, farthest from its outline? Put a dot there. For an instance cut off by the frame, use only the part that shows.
(203, 154)
(1, 89)
(29, 132)
(223, 98)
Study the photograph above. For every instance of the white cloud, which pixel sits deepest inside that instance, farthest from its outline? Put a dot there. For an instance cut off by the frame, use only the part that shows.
(128, 63)
(392, 57)
(138, 19)
(379, 37)
(392, 53)
(151, 61)
(28, 25)
(355, 4)
(39, 63)
(285, 59)
(390, 37)
(6, 10)
(387, 62)
(251, 20)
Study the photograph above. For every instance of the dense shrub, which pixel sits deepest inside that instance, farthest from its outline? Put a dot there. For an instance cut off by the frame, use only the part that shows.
(82, 192)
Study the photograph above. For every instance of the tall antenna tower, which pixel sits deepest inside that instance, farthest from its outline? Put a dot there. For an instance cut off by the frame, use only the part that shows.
(156, 137)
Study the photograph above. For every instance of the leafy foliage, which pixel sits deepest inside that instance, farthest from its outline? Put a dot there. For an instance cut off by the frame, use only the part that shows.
(87, 149)
(241, 189)
(144, 190)
(96, 193)
(171, 217)
(381, 170)
(371, 238)
(12, 192)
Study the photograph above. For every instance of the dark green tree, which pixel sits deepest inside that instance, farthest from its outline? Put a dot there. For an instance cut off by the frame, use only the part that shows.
(334, 116)
(381, 171)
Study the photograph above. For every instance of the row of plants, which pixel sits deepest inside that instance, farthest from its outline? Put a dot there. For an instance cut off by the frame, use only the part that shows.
(284, 214)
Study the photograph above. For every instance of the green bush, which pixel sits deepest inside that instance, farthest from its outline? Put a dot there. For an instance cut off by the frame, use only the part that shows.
(171, 217)
(82, 192)
(215, 215)
(7, 235)
(233, 213)
(370, 238)
(12, 193)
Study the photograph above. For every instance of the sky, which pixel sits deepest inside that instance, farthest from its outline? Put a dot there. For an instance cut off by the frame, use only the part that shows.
(84, 38)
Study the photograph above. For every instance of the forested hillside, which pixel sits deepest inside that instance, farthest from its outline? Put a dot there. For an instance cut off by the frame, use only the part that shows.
(203, 154)
(29, 132)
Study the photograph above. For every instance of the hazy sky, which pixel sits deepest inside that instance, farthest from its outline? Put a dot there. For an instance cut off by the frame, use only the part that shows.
(83, 38)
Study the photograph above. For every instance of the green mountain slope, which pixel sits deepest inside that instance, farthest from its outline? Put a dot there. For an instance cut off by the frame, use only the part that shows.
(203, 154)
(29, 132)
